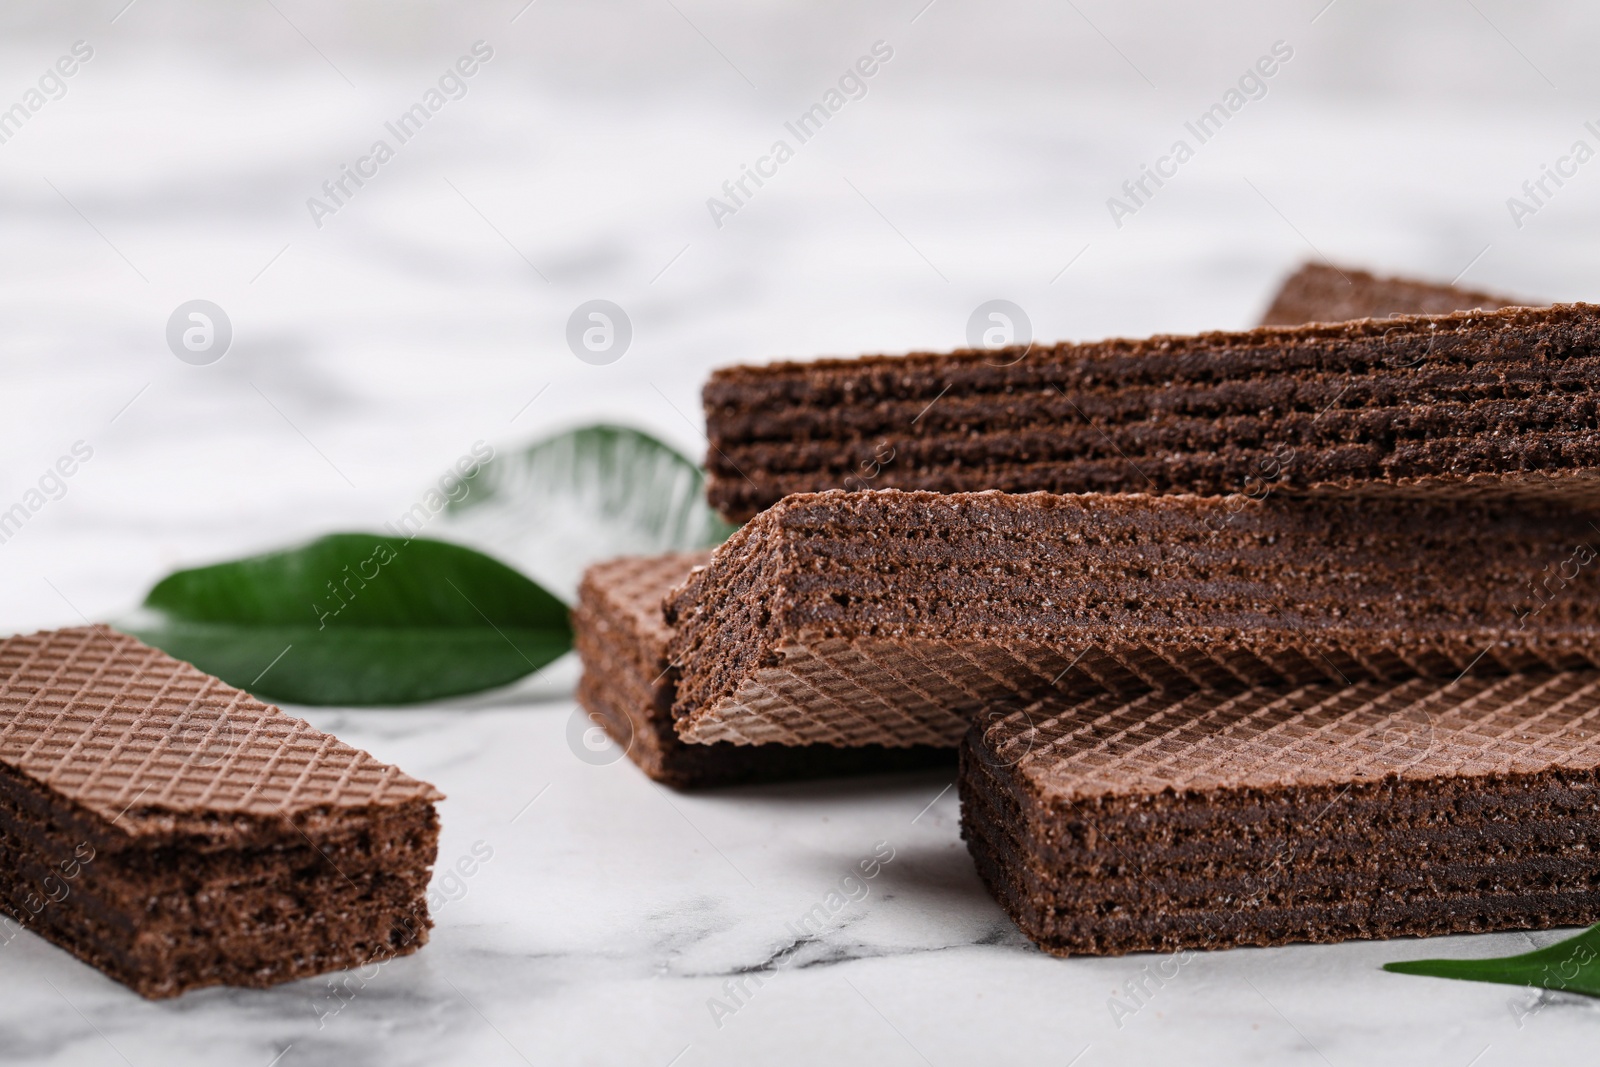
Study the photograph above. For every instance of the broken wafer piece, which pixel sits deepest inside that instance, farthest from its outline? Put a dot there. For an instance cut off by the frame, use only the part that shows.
(1319, 292)
(891, 617)
(628, 684)
(1321, 814)
(175, 832)
(1483, 401)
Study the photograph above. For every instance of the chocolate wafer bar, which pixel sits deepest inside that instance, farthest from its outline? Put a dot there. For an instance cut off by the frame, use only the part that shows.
(1323, 813)
(1319, 292)
(891, 618)
(628, 685)
(175, 832)
(1497, 401)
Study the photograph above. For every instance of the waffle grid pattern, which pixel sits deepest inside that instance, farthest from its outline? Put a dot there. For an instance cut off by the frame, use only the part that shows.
(1319, 735)
(634, 587)
(927, 692)
(121, 728)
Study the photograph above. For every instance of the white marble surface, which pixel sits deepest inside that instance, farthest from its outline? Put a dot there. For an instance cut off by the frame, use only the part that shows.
(429, 312)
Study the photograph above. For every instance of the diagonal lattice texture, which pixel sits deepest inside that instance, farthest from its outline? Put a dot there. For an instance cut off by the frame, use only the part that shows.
(1319, 735)
(131, 735)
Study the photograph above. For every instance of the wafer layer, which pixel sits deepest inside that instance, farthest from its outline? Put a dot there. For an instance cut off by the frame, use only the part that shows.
(1496, 401)
(890, 618)
(1318, 814)
(628, 685)
(1319, 292)
(175, 832)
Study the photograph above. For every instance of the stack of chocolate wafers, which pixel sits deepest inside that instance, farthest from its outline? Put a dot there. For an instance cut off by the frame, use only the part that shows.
(1284, 635)
(1288, 634)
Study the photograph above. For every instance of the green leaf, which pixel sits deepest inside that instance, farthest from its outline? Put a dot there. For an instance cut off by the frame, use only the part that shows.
(1572, 966)
(586, 495)
(353, 619)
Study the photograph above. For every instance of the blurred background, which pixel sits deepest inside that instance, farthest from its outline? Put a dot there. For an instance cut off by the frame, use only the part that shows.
(378, 336)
